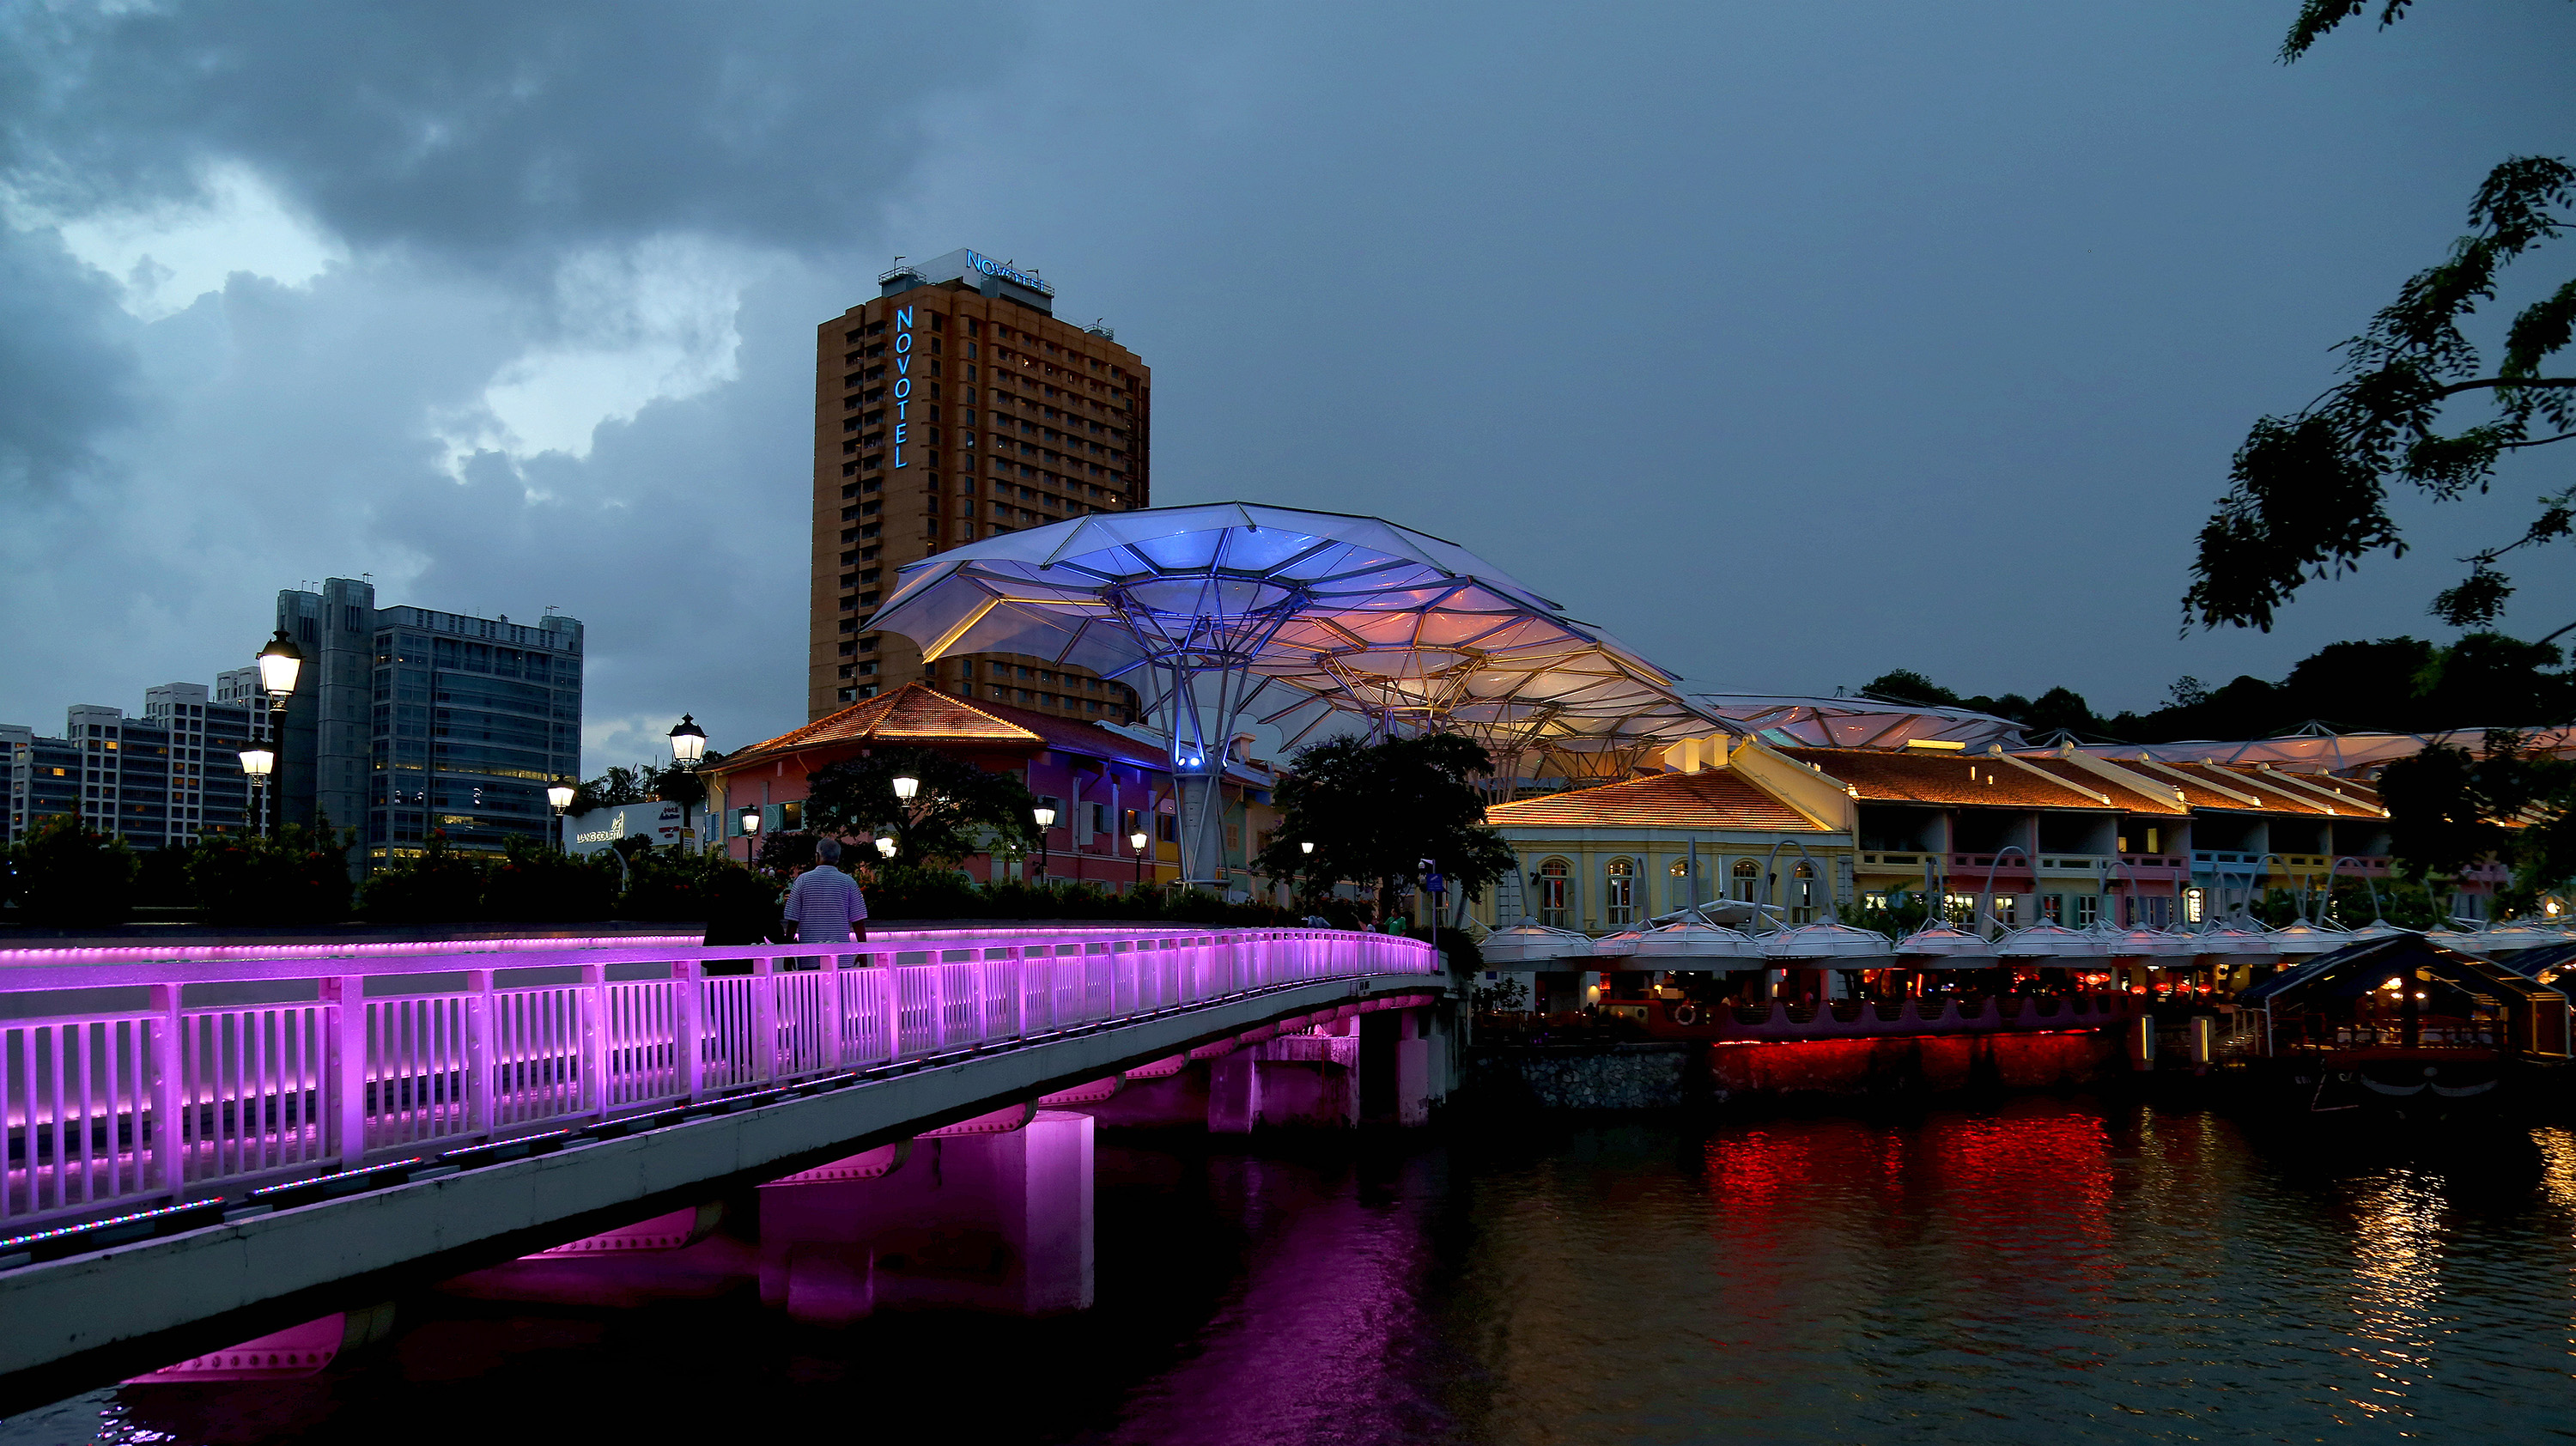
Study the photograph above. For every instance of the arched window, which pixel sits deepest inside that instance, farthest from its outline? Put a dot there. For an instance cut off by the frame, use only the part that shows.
(1748, 880)
(1551, 892)
(1619, 894)
(1802, 893)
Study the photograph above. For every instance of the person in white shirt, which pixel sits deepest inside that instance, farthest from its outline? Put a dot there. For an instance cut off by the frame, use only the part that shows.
(825, 904)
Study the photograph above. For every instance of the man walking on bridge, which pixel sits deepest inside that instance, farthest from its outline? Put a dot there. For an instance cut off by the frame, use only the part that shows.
(825, 904)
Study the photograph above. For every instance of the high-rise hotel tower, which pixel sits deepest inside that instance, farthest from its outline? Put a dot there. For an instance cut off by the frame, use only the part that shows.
(955, 407)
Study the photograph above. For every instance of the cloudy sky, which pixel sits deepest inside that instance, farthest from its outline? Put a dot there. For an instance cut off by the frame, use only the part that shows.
(1789, 342)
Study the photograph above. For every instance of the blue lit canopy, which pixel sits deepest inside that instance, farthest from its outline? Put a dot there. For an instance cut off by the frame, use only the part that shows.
(1221, 602)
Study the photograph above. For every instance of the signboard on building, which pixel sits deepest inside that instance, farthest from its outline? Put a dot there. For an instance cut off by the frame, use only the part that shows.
(601, 828)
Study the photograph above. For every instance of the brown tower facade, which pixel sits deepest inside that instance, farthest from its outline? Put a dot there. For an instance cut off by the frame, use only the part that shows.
(956, 407)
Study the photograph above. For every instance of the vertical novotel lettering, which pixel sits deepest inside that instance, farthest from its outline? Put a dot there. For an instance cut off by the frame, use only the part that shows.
(902, 376)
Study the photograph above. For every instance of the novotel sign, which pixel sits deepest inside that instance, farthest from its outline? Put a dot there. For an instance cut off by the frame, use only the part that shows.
(991, 267)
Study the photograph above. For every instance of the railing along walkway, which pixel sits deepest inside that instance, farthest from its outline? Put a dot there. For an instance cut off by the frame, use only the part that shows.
(130, 1081)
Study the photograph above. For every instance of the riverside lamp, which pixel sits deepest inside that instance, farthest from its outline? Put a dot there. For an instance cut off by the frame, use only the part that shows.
(905, 788)
(280, 664)
(1046, 820)
(257, 762)
(750, 828)
(688, 750)
(559, 795)
(1136, 841)
(885, 848)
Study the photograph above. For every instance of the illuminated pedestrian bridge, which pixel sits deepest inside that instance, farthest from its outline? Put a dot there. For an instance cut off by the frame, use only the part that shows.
(207, 1144)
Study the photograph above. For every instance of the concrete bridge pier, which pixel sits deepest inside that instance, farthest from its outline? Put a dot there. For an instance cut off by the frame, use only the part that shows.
(996, 1222)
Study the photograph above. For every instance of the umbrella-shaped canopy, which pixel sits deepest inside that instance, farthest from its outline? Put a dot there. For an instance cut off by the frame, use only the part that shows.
(2234, 940)
(1529, 943)
(1688, 943)
(1827, 941)
(2299, 939)
(1349, 611)
(2141, 942)
(2046, 942)
(1949, 945)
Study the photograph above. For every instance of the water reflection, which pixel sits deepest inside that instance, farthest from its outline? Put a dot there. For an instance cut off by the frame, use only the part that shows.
(2042, 1272)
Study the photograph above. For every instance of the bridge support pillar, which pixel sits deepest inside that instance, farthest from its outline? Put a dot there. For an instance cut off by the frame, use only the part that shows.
(999, 1222)
(1234, 1092)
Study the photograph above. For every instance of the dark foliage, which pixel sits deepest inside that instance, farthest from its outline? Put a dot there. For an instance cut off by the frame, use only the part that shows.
(297, 876)
(69, 875)
(534, 884)
(960, 809)
(2396, 685)
(1374, 811)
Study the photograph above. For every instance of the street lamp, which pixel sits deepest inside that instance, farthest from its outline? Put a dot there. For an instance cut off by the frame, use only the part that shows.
(1305, 845)
(750, 827)
(688, 742)
(257, 762)
(1136, 841)
(885, 848)
(559, 794)
(280, 663)
(1046, 820)
(688, 749)
(905, 788)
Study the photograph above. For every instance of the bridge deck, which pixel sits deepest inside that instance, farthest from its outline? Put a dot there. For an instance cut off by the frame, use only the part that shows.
(650, 1076)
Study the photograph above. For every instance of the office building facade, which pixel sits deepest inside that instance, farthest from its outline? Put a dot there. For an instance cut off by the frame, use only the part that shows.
(165, 779)
(409, 721)
(953, 407)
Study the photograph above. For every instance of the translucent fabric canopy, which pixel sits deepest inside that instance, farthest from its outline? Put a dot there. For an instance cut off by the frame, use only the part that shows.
(1216, 604)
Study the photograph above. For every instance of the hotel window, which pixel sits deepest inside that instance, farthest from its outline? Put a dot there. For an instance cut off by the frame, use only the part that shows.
(1619, 893)
(1551, 892)
(1747, 877)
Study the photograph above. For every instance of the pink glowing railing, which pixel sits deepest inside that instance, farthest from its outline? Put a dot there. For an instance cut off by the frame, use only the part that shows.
(134, 1076)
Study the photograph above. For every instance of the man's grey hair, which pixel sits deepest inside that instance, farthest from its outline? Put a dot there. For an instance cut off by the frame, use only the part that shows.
(827, 851)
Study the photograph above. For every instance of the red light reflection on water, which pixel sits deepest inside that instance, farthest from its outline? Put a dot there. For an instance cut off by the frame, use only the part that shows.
(1978, 1216)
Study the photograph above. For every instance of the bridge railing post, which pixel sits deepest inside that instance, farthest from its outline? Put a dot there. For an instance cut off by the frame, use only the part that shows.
(169, 1099)
(590, 1095)
(688, 1030)
(833, 1052)
(344, 1102)
(479, 1082)
(764, 1016)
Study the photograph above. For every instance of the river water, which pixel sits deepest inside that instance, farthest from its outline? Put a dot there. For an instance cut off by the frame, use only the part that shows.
(2045, 1271)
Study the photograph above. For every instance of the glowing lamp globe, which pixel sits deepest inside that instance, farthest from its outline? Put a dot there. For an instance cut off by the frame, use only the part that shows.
(688, 742)
(885, 847)
(279, 665)
(257, 762)
(559, 793)
(1306, 845)
(1136, 840)
(751, 820)
(1045, 817)
(905, 788)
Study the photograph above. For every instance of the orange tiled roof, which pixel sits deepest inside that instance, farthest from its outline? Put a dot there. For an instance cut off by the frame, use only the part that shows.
(1951, 779)
(2127, 799)
(1711, 798)
(2277, 795)
(919, 716)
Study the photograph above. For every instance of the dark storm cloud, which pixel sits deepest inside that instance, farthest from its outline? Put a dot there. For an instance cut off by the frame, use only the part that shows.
(65, 361)
(1790, 343)
(484, 125)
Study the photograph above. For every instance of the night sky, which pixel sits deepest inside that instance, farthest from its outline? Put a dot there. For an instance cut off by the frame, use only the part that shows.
(1790, 343)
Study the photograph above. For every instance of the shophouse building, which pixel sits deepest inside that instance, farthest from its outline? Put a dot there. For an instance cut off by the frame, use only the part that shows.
(408, 721)
(952, 407)
(1105, 783)
(2039, 836)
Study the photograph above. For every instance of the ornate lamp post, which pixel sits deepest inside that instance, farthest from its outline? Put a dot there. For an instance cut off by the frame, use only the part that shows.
(257, 762)
(750, 833)
(280, 664)
(688, 750)
(1136, 841)
(1046, 820)
(559, 795)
